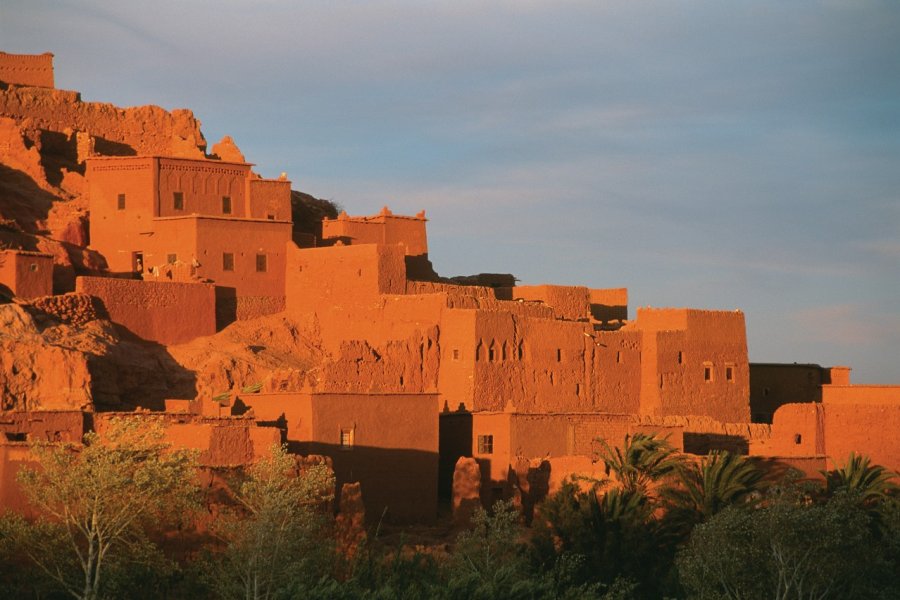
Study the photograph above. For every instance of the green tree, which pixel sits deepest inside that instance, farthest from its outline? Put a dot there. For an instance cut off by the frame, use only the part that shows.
(98, 502)
(275, 536)
(640, 462)
(871, 483)
(706, 487)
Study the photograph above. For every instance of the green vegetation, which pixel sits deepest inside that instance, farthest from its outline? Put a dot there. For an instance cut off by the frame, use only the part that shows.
(663, 526)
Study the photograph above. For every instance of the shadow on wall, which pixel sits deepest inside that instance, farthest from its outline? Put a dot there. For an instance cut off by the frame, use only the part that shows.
(226, 307)
(22, 199)
(454, 441)
(704, 443)
(136, 373)
(398, 485)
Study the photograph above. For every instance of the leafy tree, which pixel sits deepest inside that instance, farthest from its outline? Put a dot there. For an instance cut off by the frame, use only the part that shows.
(275, 535)
(785, 550)
(98, 501)
(640, 462)
(706, 487)
(871, 483)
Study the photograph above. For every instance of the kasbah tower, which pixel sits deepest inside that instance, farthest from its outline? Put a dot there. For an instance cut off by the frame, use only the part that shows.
(147, 277)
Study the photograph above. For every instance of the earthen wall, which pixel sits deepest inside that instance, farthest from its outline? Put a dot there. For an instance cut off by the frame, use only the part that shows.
(202, 184)
(164, 312)
(773, 385)
(572, 303)
(27, 69)
(26, 274)
(269, 199)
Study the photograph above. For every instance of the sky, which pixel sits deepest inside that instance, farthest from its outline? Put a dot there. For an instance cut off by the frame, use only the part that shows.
(721, 155)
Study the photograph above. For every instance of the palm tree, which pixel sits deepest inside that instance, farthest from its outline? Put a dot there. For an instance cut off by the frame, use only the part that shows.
(872, 483)
(706, 487)
(641, 461)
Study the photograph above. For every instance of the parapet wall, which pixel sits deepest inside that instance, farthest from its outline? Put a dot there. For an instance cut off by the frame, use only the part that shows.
(164, 312)
(35, 70)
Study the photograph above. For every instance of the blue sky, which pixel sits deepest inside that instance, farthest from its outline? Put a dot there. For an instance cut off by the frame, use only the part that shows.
(707, 154)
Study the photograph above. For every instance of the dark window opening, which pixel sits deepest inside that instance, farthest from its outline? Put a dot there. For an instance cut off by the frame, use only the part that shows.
(577, 389)
(270, 217)
(707, 373)
(660, 381)
(618, 357)
(171, 259)
(680, 357)
(729, 374)
(485, 444)
(33, 267)
(521, 352)
(401, 380)
(492, 354)
(228, 261)
(261, 263)
(798, 438)
(16, 436)
(558, 355)
(121, 202)
(226, 205)
(455, 354)
(178, 200)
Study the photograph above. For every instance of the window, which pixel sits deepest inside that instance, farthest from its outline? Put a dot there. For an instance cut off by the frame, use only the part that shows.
(798, 438)
(455, 354)
(121, 202)
(261, 263)
(16, 436)
(619, 357)
(520, 351)
(270, 217)
(558, 355)
(171, 259)
(227, 261)
(347, 439)
(178, 200)
(577, 389)
(680, 357)
(729, 373)
(485, 444)
(33, 267)
(492, 354)
(226, 205)
(707, 372)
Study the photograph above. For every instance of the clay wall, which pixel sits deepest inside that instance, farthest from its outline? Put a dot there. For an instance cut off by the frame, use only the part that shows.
(572, 303)
(221, 442)
(345, 277)
(27, 69)
(165, 312)
(116, 233)
(773, 385)
(869, 427)
(694, 362)
(616, 367)
(202, 185)
(387, 442)
(609, 305)
(141, 130)
(384, 228)
(171, 236)
(269, 199)
(25, 274)
(797, 430)
(861, 394)
(14, 456)
(42, 426)
(453, 291)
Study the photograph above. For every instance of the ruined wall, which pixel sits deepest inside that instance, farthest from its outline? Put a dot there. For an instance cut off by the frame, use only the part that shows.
(572, 303)
(164, 312)
(609, 306)
(694, 362)
(42, 426)
(141, 130)
(27, 69)
(25, 274)
(73, 308)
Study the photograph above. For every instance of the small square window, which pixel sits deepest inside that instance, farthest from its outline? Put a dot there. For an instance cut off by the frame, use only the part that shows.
(228, 261)
(707, 372)
(485, 444)
(729, 373)
(178, 200)
(121, 202)
(226, 205)
(261, 263)
(270, 217)
(33, 267)
(346, 439)
(798, 438)
(171, 259)
(455, 354)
